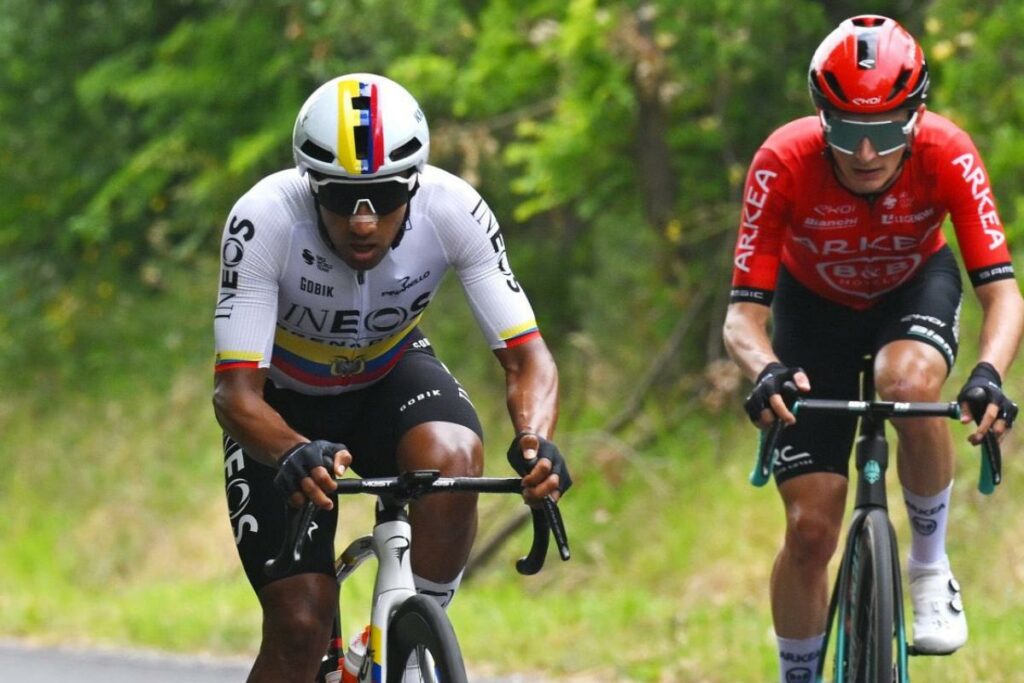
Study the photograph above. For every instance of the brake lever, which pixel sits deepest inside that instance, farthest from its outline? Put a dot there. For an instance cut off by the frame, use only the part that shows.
(762, 471)
(553, 516)
(991, 454)
(297, 526)
(991, 464)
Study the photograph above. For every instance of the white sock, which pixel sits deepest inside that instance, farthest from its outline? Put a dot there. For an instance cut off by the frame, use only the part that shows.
(798, 658)
(443, 593)
(928, 516)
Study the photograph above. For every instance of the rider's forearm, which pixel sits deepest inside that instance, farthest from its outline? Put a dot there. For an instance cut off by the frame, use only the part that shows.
(250, 421)
(746, 338)
(1002, 325)
(531, 380)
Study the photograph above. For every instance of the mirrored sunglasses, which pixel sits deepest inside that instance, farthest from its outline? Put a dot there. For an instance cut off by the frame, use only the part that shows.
(886, 137)
(380, 196)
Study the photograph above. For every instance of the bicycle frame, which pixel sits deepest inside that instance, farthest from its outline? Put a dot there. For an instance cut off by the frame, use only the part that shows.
(391, 541)
(872, 460)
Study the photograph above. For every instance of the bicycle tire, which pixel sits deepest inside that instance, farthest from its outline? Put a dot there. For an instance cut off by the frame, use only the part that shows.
(420, 625)
(867, 612)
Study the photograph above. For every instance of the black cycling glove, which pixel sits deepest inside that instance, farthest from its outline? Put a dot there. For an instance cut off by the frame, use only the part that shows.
(986, 378)
(546, 449)
(300, 461)
(767, 384)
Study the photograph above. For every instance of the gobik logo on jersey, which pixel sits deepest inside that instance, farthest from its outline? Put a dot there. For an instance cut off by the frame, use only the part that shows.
(869, 277)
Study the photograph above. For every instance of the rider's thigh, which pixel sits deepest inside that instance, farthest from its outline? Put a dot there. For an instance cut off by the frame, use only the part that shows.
(815, 504)
(908, 370)
(452, 448)
(297, 615)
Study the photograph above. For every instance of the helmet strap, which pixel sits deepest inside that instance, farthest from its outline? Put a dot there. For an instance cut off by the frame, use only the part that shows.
(405, 226)
(405, 218)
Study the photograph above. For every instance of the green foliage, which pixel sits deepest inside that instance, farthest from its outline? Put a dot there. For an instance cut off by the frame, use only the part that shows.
(978, 82)
(610, 137)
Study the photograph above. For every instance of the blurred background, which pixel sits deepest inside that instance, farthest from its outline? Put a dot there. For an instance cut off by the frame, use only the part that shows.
(611, 140)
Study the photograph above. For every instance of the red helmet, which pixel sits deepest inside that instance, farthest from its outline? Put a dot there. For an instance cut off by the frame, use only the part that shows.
(868, 64)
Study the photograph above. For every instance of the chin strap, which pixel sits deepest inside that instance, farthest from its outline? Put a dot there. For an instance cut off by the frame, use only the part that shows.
(405, 218)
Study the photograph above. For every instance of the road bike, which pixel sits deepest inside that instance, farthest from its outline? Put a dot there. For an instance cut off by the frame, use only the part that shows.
(866, 627)
(410, 636)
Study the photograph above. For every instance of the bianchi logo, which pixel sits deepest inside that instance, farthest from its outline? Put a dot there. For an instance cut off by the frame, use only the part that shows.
(872, 471)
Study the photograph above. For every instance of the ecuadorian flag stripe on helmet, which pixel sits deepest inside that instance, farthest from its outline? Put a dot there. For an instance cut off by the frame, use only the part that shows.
(350, 118)
(376, 130)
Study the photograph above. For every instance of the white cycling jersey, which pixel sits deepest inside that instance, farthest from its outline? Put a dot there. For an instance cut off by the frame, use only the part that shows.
(288, 303)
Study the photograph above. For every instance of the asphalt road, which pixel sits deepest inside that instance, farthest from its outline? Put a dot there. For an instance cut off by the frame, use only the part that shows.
(21, 663)
(28, 664)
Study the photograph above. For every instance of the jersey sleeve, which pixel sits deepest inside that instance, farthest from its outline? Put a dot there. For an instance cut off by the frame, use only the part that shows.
(473, 243)
(763, 220)
(972, 208)
(252, 256)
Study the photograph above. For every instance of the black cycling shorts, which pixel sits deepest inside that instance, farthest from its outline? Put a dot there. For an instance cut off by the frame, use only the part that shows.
(370, 422)
(829, 341)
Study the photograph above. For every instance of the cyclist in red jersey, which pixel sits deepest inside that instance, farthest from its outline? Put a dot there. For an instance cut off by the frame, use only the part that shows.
(841, 248)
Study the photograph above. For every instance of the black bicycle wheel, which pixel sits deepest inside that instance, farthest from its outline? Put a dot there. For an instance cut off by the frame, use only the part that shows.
(420, 626)
(868, 605)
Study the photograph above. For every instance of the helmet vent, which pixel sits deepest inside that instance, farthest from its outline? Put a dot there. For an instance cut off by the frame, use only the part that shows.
(833, 83)
(867, 49)
(362, 140)
(311, 149)
(406, 150)
(868, 21)
(900, 84)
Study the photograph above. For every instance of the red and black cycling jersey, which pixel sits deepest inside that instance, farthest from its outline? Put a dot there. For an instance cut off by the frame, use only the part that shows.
(854, 249)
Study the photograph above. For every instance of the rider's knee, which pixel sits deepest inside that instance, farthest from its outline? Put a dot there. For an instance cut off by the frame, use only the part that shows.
(297, 625)
(454, 450)
(811, 539)
(914, 378)
(464, 459)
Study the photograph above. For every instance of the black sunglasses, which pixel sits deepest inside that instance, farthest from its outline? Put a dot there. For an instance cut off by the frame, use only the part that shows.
(380, 196)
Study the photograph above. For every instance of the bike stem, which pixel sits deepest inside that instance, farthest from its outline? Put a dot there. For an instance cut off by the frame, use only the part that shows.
(872, 462)
(872, 448)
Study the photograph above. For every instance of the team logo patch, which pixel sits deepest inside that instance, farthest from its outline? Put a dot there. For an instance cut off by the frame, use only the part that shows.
(869, 277)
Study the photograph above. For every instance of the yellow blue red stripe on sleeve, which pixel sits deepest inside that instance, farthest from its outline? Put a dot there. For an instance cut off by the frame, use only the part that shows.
(233, 360)
(519, 334)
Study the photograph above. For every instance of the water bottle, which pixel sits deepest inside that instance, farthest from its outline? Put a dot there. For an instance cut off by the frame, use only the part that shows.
(354, 657)
(330, 667)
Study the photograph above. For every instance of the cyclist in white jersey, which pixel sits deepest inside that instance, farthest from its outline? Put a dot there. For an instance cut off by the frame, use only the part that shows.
(327, 269)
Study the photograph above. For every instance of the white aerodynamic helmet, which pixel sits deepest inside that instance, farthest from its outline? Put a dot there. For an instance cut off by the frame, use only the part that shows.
(360, 126)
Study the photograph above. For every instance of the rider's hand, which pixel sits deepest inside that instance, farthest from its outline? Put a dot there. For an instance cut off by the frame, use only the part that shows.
(305, 472)
(997, 412)
(540, 463)
(765, 403)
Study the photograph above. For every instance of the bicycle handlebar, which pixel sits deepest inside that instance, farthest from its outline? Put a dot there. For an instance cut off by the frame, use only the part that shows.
(409, 486)
(991, 460)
